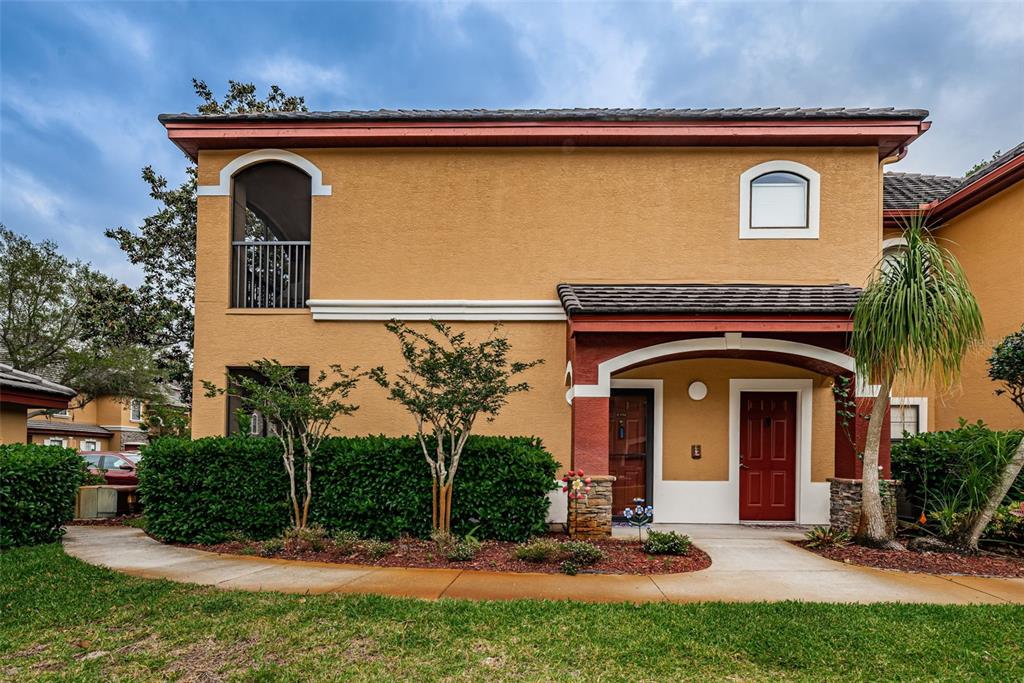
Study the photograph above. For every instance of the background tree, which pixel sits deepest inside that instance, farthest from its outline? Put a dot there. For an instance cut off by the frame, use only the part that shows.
(446, 385)
(1005, 365)
(46, 329)
(164, 419)
(165, 244)
(916, 319)
(299, 415)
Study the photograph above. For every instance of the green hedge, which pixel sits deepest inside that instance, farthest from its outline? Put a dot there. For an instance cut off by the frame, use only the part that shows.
(201, 491)
(954, 468)
(379, 487)
(37, 492)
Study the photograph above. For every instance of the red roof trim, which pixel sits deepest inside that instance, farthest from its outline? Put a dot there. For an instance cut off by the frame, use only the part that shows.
(888, 135)
(705, 323)
(31, 399)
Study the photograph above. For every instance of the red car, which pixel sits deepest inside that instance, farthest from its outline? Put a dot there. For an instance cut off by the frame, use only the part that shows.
(115, 467)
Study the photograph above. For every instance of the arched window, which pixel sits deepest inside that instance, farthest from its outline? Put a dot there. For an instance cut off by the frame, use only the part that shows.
(779, 200)
(892, 250)
(271, 216)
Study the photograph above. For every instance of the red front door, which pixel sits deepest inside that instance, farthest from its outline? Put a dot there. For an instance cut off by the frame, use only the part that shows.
(767, 456)
(628, 448)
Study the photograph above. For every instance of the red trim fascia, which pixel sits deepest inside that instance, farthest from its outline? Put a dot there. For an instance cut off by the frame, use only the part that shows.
(967, 197)
(886, 134)
(721, 324)
(31, 400)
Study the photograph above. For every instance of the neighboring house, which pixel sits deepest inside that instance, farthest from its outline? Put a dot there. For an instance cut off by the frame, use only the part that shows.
(687, 275)
(980, 219)
(22, 392)
(103, 424)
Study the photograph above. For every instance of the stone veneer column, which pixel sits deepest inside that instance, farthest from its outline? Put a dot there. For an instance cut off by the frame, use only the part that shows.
(592, 516)
(845, 504)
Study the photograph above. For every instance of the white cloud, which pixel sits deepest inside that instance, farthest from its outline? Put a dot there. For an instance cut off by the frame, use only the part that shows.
(115, 28)
(294, 74)
(27, 204)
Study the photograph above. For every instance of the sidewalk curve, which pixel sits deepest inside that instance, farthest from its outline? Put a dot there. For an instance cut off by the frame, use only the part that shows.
(747, 568)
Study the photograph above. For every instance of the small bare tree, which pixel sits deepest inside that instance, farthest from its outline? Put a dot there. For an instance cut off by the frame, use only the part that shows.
(446, 385)
(299, 414)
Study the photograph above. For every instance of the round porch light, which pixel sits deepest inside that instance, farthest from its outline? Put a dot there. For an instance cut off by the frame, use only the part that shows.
(697, 390)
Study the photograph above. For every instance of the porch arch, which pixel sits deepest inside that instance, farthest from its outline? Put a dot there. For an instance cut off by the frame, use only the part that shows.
(258, 156)
(729, 342)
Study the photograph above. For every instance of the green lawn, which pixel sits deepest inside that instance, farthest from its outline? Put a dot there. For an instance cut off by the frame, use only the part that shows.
(62, 619)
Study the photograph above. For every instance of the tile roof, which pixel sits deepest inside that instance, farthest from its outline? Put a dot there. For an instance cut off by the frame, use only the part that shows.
(53, 426)
(699, 298)
(995, 164)
(10, 378)
(580, 114)
(910, 190)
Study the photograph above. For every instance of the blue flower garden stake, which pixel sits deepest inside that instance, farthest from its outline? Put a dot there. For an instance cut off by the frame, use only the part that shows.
(639, 516)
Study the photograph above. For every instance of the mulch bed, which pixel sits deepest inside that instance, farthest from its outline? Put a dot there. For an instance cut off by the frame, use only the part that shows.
(121, 520)
(621, 557)
(984, 564)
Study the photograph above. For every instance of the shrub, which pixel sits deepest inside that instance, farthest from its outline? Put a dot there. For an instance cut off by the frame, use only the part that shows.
(379, 487)
(666, 543)
(955, 468)
(376, 549)
(453, 548)
(537, 551)
(1007, 523)
(37, 492)
(201, 491)
(346, 542)
(312, 538)
(827, 537)
(271, 547)
(582, 553)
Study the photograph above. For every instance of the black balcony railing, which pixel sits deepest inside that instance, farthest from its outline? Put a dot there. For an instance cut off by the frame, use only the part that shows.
(270, 274)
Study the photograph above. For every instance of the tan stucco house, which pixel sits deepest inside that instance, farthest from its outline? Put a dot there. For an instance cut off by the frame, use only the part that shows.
(106, 423)
(980, 218)
(22, 393)
(687, 275)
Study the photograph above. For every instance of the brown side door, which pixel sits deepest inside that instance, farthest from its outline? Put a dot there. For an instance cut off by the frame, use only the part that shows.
(767, 456)
(629, 449)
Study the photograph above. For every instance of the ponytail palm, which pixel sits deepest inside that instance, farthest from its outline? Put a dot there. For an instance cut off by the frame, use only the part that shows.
(916, 318)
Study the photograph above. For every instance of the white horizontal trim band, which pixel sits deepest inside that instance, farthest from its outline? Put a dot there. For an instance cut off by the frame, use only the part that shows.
(436, 309)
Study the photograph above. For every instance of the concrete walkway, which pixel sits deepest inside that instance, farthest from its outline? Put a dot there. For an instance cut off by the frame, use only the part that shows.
(748, 564)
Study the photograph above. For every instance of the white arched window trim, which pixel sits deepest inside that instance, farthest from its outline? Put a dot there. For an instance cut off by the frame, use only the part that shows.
(813, 202)
(259, 156)
(892, 243)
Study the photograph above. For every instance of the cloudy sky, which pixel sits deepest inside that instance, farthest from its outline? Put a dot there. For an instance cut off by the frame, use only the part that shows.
(82, 83)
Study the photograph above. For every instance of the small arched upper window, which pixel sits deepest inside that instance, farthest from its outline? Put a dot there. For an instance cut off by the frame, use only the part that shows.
(779, 200)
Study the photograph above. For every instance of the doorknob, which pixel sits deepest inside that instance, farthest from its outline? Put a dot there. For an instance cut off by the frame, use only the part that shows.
(741, 462)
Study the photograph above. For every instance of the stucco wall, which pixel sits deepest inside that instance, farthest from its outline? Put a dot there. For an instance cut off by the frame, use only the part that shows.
(12, 423)
(511, 224)
(75, 441)
(706, 422)
(987, 241)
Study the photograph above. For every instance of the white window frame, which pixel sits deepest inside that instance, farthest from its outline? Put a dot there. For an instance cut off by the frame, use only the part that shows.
(90, 446)
(57, 441)
(61, 413)
(131, 410)
(922, 412)
(811, 232)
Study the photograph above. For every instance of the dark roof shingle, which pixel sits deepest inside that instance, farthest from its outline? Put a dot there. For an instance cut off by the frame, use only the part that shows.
(580, 114)
(12, 378)
(699, 298)
(910, 190)
(66, 428)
